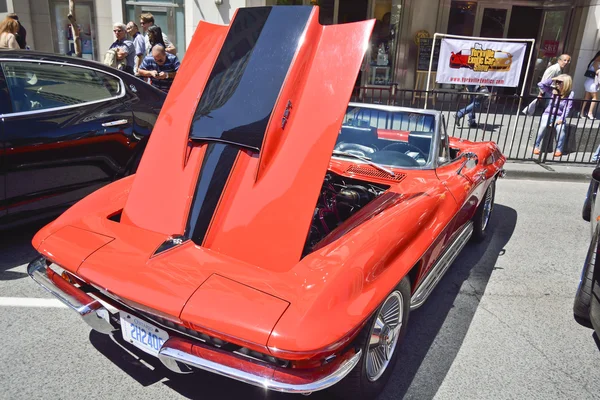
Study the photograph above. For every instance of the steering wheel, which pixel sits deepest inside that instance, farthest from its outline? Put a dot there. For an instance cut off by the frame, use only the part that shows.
(395, 158)
(355, 148)
(404, 147)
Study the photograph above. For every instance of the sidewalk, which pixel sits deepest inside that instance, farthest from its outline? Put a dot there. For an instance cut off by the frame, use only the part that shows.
(560, 172)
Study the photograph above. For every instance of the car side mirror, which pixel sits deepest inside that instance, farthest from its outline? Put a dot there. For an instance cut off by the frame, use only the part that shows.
(467, 158)
(596, 174)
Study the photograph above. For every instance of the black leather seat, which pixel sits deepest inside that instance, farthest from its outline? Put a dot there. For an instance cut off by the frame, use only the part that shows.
(421, 140)
(360, 135)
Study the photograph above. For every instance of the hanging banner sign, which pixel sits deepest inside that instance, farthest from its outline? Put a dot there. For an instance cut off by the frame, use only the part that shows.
(476, 62)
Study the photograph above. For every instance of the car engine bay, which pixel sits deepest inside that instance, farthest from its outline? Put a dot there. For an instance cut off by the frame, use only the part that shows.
(339, 199)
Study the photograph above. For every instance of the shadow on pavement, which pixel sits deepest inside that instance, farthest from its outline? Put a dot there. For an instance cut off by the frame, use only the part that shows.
(16, 249)
(437, 330)
(435, 334)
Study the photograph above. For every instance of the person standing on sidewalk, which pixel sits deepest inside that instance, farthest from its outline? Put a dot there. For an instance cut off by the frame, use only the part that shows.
(553, 71)
(8, 34)
(591, 86)
(138, 43)
(470, 109)
(124, 47)
(147, 20)
(22, 33)
(557, 111)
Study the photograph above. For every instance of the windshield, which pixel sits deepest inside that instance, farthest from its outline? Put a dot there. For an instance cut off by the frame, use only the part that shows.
(390, 138)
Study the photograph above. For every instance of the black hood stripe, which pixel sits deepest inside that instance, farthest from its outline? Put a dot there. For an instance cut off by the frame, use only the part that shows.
(244, 84)
(216, 167)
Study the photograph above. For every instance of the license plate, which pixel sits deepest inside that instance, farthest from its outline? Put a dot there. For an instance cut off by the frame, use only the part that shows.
(141, 334)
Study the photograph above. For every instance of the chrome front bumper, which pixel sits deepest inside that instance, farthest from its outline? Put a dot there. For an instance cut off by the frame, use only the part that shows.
(177, 351)
(90, 309)
(180, 354)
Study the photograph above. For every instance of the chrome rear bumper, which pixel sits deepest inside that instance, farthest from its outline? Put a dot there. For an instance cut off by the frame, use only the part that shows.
(90, 309)
(177, 351)
(180, 354)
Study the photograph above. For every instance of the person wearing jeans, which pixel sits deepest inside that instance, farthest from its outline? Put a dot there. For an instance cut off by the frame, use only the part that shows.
(557, 111)
(470, 109)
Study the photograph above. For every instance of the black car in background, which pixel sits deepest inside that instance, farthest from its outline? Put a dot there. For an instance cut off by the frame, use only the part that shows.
(586, 307)
(67, 127)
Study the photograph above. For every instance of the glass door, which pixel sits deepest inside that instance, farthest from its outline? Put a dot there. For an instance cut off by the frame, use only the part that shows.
(168, 15)
(492, 20)
(550, 44)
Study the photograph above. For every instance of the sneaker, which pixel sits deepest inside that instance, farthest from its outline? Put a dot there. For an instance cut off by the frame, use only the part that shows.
(557, 153)
(457, 120)
(472, 124)
(536, 151)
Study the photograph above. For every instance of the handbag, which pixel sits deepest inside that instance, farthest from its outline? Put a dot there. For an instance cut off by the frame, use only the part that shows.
(589, 74)
(530, 109)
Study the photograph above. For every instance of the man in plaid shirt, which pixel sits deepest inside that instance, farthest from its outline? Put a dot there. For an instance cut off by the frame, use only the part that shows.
(161, 67)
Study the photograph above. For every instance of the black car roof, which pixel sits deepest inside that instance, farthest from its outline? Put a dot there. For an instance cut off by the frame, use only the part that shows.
(38, 55)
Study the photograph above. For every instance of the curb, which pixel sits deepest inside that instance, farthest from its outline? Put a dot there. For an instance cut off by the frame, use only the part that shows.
(547, 172)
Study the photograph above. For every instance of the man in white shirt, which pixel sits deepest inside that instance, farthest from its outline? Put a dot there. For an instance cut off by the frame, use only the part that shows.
(556, 69)
(147, 20)
(552, 72)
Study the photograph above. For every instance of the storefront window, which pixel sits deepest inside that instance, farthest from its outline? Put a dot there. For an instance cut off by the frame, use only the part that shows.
(383, 42)
(494, 22)
(62, 28)
(462, 18)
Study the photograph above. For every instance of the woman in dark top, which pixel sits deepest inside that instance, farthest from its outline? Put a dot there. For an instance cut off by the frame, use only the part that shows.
(155, 37)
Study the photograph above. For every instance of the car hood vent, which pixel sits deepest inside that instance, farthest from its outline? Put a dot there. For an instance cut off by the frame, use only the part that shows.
(373, 173)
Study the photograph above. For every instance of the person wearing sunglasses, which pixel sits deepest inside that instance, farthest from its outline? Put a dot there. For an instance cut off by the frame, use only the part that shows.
(147, 21)
(556, 113)
(125, 50)
(553, 71)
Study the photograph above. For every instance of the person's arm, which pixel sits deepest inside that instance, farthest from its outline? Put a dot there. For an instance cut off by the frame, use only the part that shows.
(121, 52)
(147, 73)
(545, 86)
(169, 47)
(140, 51)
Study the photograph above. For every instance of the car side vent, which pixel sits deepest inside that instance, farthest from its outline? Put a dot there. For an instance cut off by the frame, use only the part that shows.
(374, 173)
(116, 217)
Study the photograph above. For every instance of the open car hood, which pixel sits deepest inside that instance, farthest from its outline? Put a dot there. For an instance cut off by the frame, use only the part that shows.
(239, 152)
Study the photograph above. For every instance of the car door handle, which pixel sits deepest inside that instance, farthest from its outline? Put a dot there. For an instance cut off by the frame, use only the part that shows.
(115, 123)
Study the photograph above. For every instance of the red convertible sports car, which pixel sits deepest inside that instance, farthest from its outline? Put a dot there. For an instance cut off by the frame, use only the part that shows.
(274, 233)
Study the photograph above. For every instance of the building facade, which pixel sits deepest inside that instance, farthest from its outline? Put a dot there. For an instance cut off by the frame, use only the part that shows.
(557, 25)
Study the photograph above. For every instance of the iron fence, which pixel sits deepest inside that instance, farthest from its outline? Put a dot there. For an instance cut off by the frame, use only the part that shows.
(500, 118)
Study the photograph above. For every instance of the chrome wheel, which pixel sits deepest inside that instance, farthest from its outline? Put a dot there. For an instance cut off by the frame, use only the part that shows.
(384, 336)
(487, 206)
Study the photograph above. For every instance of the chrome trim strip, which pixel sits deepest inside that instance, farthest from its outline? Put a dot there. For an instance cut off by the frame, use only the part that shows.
(175, 351)
(440, 267)
(88, 308)
(18, 114)
(115, 123)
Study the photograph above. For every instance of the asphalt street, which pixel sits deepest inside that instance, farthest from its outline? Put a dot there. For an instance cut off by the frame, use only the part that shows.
(498, 326)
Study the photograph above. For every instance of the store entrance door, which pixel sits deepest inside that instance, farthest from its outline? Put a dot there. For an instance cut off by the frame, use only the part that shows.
(550, 45)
